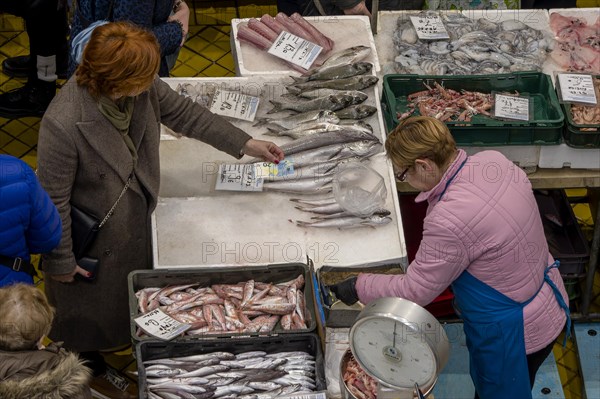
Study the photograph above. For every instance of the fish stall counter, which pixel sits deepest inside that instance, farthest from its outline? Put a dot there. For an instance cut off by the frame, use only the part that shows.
(195, 225)
(345, 32)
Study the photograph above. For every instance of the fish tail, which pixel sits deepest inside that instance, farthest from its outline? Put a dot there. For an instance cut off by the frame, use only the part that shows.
(271, 132)
(300, 79)
(294, 89)
(277, 107)
(301, 223)
(289, 95)
(261, 121)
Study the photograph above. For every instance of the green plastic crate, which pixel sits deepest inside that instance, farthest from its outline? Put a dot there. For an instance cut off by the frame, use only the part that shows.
(548, 119)
(576, 135)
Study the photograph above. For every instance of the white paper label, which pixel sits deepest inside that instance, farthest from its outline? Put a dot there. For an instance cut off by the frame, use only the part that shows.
(238, 177)
(160, 325)
(577, 88)
(511, 107)
(234, 104)
(295, 49)
(430, 27)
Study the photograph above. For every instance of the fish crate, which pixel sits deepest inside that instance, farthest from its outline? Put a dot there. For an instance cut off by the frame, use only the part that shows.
(580, 135)
(152, 350)
(566, 241)
(337, 314)
(545, 128)
(208, 275)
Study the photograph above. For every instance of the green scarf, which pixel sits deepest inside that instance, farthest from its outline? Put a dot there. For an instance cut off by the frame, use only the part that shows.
(119, 113)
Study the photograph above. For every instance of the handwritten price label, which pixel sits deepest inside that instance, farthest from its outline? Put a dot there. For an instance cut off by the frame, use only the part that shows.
(238, 177)
(160, 325)
(511, 107)
(234, 104)
(577, 88)
(295, 50)
(430, 27)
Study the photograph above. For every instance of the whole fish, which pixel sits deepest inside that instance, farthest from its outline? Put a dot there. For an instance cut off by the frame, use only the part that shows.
(337, 72)
(293, 121)
(356, 112)
(327, 138)
(343, 57)
(381, 211)
(306, 129)
(357, 124)
(300, 186)
(232, 389)
(328, 209)
(348, 222)
(335, 152)
(314, 202)
(352, 83)
(332, 102)
(357, 96)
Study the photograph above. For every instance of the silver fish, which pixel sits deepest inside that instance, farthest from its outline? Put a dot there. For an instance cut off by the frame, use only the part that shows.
(347, 222)
(357, 96)
(343, 57)
(314, 202)
(331, 102)
(307, 172)
(232, 389)
(324, 139)
(337, 72)
(293, 121)
(300, 186)
(352, 83)
(382, 211)
(356, 112)
(306, 129)
(328, 209)
(335, 152)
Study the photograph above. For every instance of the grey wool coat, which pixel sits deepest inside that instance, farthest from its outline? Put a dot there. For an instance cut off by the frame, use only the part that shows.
(83, 160)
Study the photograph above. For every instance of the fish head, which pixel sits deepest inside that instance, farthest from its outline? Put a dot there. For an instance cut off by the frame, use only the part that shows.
(364, 148)
(363, 67)
(368, 80)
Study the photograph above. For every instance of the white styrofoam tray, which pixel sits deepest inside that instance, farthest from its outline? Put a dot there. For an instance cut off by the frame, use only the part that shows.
(563, 156)
(195, 225)
(345, 31)
(388, 20)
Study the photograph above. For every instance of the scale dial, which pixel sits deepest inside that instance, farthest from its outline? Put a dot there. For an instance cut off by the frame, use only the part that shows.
(393, 353)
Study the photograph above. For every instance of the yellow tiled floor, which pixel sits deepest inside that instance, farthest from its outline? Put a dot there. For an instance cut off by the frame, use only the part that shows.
(207, 53)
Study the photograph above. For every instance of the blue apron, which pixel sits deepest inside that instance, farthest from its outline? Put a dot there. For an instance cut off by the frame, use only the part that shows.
(493, 325)
(494, 330)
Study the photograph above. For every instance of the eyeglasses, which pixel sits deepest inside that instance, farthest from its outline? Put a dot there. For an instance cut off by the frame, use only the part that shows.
(401, 176)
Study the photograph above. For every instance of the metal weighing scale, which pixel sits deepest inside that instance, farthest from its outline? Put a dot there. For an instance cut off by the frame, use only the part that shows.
(401, 345)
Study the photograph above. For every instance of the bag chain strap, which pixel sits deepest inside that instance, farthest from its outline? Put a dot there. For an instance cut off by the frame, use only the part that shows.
(112, 209)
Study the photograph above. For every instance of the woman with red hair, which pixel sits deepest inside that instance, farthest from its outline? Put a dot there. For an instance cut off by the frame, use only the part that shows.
(102, 131)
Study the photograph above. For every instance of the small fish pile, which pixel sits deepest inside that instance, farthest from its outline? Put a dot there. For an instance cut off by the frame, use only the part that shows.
(263, 33)
(247, 375)
(587, 114)
(249, 306)
(359, 383)
(447, 105)
(330, 214)
(578, 47)
(475, 47)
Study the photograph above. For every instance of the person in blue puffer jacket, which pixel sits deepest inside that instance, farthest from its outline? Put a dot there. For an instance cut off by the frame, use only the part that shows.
(29, 221)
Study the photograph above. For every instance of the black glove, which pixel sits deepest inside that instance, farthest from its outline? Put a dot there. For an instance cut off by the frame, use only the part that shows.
(345, 291)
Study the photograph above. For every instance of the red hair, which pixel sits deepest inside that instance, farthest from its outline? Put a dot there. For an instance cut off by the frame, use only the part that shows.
(119, 59)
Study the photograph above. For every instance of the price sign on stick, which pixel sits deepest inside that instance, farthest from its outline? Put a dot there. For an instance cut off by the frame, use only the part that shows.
(511, 107)
(295, 49)
(234, 104)
(430, 27)
(577, 88)
(160, 325)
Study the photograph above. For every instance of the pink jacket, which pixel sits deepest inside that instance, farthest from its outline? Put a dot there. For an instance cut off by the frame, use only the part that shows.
(488, 223)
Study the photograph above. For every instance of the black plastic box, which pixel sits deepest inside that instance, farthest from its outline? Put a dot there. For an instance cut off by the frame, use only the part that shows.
(150, 350)
(209, 275)
(566, 241)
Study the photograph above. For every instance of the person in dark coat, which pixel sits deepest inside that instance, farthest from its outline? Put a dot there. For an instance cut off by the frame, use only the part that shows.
(103, 125)
(168, 20)
(28, 370)
(29, 221)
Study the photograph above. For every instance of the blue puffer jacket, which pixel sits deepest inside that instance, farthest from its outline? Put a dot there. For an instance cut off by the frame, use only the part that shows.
(29, 221)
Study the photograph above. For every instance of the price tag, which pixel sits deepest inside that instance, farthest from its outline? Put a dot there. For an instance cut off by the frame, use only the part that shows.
(511, 107)
(269, 169)
(160, 325)
(577, 88)
(238, 177)
(234, 104)
(430, 27)
(295, 49)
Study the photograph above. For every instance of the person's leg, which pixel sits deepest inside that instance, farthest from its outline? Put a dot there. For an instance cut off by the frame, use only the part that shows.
(535, 360)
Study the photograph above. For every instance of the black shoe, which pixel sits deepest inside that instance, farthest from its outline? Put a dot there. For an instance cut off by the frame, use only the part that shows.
(23, 66)
(30, 100)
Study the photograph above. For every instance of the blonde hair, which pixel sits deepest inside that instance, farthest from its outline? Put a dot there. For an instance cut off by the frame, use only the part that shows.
(26, 317)
(420, 137)
(120, 58)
